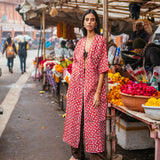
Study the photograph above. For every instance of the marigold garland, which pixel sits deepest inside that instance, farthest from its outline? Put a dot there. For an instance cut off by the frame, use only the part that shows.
(68, 32)
(72, 32)
(59, 30)
(57, 79)
(67, 79)
(59, 68)
(113, 96)
(64, 31)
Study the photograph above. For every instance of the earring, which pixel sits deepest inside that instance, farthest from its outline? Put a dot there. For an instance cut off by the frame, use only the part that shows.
(95, 27)
(83, 28)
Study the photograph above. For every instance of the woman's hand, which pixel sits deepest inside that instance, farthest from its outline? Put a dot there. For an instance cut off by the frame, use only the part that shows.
(96, 100)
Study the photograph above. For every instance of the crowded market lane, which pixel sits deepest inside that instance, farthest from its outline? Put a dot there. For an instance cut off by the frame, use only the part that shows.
(35, 128)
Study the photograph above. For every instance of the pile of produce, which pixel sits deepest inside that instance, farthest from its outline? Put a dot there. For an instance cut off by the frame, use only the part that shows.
(139, 89)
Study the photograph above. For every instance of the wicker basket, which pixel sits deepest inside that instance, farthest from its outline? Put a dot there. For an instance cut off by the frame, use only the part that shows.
(134, 102)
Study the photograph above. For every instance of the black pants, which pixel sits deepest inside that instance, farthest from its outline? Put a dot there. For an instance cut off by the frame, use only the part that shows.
(78, 153)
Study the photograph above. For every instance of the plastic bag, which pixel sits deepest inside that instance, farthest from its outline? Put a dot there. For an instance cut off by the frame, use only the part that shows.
(36, 75)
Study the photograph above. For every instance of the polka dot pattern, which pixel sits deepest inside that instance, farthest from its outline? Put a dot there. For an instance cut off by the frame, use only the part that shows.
(94, 118)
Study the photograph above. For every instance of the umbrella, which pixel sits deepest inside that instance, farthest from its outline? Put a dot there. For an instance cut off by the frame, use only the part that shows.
(20, 38)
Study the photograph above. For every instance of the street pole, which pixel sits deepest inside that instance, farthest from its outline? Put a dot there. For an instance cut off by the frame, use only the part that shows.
(44, 49)
(44, 35)
(108, 129)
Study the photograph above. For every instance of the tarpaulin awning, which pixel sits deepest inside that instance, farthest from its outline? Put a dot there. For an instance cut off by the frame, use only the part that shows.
(71, 12)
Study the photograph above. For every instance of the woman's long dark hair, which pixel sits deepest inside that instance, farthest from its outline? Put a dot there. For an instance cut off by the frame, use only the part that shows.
(9, 40)
(97, 28)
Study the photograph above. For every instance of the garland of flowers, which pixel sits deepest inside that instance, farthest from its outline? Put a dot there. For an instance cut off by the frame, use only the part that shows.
(72, 32)
(68, 32)
(64, 31)
(59, 30)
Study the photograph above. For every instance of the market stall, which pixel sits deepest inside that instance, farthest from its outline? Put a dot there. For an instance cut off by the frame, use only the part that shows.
(108, 10)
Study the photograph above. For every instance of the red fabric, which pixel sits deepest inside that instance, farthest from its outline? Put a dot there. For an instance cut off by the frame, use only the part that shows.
(94, 118)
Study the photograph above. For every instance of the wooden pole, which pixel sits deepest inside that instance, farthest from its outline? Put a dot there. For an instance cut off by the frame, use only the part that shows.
(108, 129)
(44, 49)
(44, 34)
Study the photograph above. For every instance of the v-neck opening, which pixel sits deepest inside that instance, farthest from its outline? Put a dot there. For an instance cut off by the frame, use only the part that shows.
(85, 60)
(90, 44)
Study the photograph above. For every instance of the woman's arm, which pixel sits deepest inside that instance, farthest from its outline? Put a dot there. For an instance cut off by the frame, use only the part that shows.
(96, 99)
(14, 47)
(4, 48)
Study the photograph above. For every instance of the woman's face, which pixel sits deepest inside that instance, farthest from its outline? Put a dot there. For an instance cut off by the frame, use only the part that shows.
(90, 22)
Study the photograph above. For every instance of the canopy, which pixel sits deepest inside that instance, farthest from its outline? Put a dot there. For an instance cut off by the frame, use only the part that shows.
(70, 11)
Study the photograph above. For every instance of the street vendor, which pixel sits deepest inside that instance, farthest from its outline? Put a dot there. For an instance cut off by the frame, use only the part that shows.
(140, 32)
(86, 98)
(149, 56)
(62, 51)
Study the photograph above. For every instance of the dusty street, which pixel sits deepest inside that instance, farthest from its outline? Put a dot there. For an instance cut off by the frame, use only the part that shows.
(35, 128)
(31, 126)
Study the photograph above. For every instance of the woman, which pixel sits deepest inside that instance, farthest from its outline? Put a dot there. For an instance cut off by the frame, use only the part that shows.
(10, 48)
(22, 48)
(86, 99)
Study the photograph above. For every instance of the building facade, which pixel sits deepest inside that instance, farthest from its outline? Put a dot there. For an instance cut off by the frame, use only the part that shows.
(11, 22)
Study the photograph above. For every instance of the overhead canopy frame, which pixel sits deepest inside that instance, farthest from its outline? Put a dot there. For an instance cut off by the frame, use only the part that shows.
(71, 11)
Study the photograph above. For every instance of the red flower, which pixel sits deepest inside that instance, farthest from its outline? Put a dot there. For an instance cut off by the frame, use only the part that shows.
(156, 74)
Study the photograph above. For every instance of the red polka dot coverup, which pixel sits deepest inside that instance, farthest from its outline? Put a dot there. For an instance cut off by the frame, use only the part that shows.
(94, 118)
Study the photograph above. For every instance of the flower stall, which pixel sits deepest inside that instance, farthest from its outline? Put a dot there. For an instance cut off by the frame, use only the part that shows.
(117, 83)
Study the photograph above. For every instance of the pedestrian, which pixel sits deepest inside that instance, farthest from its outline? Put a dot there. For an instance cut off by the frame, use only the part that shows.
(86, 99)
(10, 48)
(22, 48)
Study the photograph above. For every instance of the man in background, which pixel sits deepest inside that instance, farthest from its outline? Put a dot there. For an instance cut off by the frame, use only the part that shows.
(139, 33)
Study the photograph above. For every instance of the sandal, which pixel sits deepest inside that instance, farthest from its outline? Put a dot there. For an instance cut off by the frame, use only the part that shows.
(72, 157)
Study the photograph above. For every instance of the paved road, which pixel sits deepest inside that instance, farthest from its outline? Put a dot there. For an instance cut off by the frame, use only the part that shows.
(32, 125)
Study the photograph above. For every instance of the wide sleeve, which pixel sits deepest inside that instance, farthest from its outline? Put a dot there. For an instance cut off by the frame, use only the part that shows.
(75, 53)
(103, 62)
